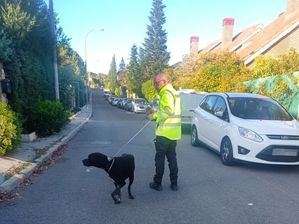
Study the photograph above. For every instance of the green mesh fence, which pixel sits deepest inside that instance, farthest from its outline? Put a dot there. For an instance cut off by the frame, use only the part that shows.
(288, 98)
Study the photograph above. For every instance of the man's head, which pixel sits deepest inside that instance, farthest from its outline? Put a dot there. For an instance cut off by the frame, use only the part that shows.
(160, 81)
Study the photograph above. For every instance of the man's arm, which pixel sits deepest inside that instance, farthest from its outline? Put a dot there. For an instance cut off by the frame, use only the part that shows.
(166, 108)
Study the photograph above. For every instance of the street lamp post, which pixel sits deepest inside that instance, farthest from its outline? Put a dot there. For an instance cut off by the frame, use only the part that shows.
(87, 73)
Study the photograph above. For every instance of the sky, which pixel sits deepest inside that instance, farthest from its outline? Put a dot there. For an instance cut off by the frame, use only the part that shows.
(112, 27)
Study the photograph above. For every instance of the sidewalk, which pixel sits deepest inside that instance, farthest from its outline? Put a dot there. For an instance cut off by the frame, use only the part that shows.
(20, 164)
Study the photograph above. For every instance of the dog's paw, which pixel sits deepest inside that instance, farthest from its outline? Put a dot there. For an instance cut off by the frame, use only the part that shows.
(117, 201)
(116, 198)
(131, 197)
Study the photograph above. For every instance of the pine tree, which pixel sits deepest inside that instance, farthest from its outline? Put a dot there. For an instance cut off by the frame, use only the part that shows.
(113, 75)
(122, 65)
(155, 55)
(133, 72)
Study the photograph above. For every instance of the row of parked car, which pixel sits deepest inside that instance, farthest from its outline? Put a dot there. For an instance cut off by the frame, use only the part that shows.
(238, 126)
(138, 105)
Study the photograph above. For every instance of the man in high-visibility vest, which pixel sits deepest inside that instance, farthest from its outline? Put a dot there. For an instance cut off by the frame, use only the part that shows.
(168, 118)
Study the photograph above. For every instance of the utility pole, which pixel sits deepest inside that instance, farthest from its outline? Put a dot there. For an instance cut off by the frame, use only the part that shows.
(52, 20)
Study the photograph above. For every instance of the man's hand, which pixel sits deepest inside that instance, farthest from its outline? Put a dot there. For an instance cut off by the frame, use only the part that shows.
(149, 113)
(150, 116)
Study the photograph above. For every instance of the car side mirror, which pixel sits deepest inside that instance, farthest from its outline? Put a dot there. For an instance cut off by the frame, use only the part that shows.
(219, 113)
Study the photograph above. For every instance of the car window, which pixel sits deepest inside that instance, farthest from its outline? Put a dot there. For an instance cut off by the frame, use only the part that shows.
(208, 103)
(257, 108)
(220, 106)
(139, 101)
(154, 102)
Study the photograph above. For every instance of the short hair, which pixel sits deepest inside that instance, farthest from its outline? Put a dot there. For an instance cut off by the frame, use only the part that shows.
(162, 76)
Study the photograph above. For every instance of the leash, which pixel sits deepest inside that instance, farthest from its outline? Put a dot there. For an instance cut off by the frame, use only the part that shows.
(122, 147)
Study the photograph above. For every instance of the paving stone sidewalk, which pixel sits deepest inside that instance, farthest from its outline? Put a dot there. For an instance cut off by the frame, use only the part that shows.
(20, 164)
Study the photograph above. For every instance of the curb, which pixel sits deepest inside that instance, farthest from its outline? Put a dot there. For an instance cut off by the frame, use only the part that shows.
(13, 182)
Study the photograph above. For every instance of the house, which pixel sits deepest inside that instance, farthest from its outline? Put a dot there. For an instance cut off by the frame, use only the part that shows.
(272, 40)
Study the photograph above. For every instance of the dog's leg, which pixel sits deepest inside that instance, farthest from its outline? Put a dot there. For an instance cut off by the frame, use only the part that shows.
(115, 184)
(131, 179)
(116, 195)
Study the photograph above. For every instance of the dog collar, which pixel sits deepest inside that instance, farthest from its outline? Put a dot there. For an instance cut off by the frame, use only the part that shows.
(111, 165)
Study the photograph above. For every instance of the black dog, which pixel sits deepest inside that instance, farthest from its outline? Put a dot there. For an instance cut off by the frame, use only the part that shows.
(118, 168)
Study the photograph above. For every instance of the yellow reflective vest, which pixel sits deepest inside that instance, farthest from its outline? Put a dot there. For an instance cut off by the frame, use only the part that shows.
(168, 116)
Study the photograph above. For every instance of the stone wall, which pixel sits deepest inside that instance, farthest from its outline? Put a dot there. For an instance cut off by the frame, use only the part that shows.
(2, 76)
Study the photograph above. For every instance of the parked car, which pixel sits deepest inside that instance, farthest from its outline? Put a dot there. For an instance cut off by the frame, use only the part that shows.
(123, 103)
(106, 93)
(249, 127)
(154, 104)
(139, 105)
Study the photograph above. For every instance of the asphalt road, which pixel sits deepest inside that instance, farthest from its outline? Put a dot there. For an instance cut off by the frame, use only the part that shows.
(209, 192)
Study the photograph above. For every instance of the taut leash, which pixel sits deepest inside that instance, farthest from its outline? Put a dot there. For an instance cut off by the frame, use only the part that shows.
(122, 147)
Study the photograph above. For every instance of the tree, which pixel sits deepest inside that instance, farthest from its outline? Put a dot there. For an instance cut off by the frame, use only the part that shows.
(18, 23)
(26, 54)
(212, 72)
(5, 46)
(122, 65)
(264, 66)
(134, 80)
(149, 90)
(285, 64)
(154, 55)
(289, 62)
(113, 75)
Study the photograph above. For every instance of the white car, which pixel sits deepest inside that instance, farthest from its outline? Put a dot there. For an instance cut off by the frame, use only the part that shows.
(248, 127)
(139, 105)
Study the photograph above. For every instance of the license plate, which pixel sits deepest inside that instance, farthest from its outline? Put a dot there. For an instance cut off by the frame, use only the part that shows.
(284, 152)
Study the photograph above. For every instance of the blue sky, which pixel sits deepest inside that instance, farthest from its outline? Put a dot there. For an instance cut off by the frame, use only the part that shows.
(125, 22)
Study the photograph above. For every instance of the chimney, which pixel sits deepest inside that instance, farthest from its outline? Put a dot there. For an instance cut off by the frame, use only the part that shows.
(227, 31)
(194, 45)
(292, 6)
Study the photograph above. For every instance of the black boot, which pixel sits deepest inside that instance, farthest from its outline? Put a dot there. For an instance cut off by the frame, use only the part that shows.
(174, 187)
(155, 186)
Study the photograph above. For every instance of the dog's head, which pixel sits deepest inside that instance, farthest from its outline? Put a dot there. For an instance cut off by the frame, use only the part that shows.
(96, 159)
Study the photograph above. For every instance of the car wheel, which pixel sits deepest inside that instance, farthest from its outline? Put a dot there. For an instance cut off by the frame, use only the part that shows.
(226, 152)
(194, 137)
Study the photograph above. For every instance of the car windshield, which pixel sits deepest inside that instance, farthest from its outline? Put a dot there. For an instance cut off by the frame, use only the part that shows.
(258, 109)
(139, 101)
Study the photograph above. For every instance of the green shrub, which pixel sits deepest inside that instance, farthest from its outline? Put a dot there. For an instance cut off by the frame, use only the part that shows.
(48, 117)
(148, 90)
(10, 129)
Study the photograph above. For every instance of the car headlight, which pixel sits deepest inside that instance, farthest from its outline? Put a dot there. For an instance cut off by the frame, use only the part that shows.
(246, 133)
